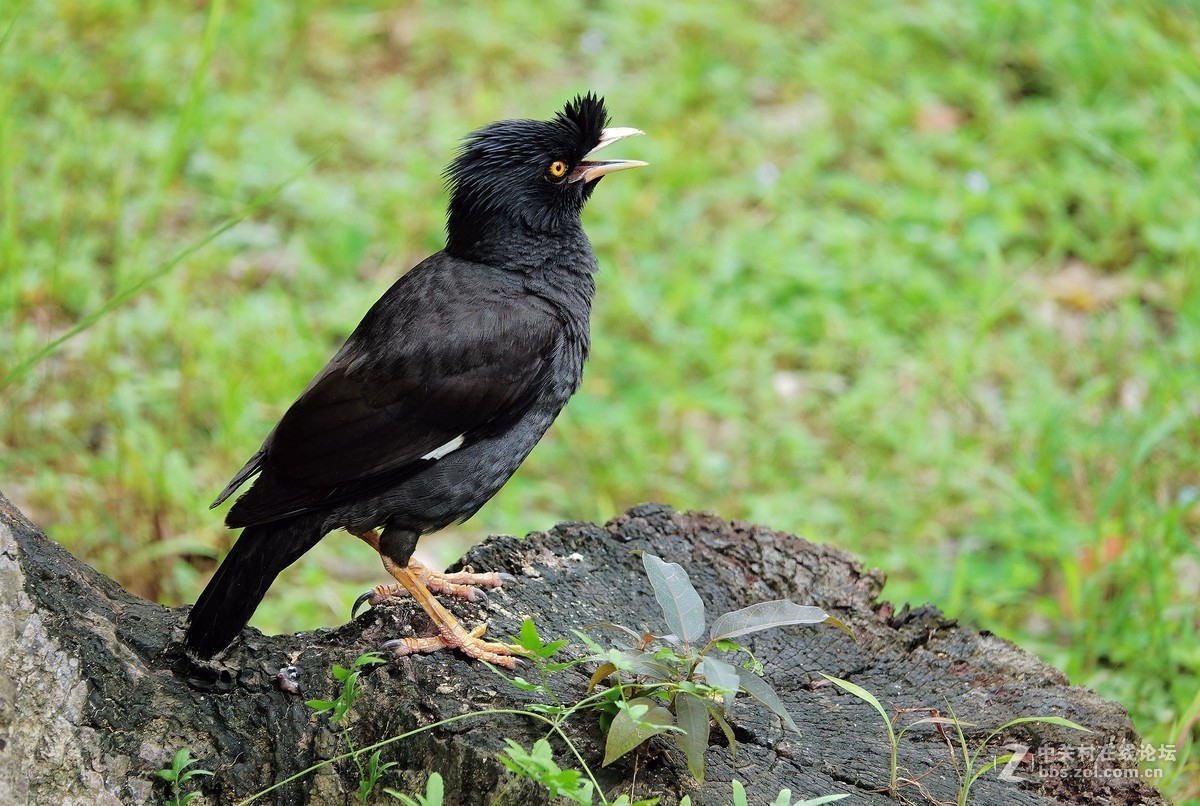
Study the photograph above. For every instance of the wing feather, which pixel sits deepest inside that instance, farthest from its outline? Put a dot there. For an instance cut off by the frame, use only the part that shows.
(381, 410)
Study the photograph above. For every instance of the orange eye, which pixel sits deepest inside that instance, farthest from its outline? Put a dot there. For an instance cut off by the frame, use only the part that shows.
(557, 169)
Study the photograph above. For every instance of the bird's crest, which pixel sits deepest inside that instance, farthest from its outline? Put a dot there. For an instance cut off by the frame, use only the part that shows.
(587, 116)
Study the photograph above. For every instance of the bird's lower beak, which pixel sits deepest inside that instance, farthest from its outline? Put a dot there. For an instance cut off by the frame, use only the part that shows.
(588, 170)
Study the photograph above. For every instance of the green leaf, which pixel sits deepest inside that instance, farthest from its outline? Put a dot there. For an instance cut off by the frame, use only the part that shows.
(528, 637)
(523, 684)
(764, 616)
(516, 681)
(435, 790)
(1046, 720)
(181, 758)
(545, 708)
(931, 720)
(368, 659)
(719, 718)
(739, 793)
(991, 765)
(784, 798)
(865, 696)
(634, 724)
(178, 773)
(538, 765)
(376, 767)
(822, 800)
(761, 690)
(190, 774)
(692, 714)
(722, 675)
(549, 649)
(681, 605)
(532, 642)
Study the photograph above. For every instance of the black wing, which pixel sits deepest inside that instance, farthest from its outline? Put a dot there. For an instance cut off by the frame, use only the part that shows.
(450, 375)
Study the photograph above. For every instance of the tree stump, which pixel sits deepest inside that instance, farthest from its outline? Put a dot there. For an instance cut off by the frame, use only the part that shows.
(95, 694)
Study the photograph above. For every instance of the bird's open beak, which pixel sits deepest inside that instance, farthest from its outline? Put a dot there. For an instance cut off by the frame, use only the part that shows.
(588, 169)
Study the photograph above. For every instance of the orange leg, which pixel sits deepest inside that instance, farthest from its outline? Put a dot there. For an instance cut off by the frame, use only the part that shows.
(451, 634)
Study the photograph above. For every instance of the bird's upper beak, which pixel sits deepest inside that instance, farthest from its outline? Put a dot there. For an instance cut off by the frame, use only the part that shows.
(589, 169)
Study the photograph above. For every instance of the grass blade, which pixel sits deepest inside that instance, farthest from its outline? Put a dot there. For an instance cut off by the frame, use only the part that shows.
(862, 694)
(159, 271)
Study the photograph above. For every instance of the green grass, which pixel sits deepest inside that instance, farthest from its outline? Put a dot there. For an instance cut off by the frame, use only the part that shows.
(917, 279)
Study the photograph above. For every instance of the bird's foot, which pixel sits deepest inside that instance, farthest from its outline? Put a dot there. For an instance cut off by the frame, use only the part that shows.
(451, 635)
(462, 584)
(455, 636)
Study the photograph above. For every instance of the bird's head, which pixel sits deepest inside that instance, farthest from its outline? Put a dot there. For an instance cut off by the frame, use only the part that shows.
(533, 173)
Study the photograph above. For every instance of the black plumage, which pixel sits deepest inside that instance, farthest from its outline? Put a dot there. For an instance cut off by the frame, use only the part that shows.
(444, 387)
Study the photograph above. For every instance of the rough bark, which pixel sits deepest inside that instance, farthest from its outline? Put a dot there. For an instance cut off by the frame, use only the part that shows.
(95, 695)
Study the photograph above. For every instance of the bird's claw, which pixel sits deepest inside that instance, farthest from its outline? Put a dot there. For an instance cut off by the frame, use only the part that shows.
(463, 584)
(470, 644)
(359, 603)
(375, 595)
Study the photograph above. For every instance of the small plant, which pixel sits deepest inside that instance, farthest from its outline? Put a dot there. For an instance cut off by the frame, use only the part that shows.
(969, 775)
(675, 683)
(658, 684)
(784, 798)
(337, 708)
(178, 774)
(538, 765)
(893, 738)
(370, 776)
(434, 793)
(340, 705)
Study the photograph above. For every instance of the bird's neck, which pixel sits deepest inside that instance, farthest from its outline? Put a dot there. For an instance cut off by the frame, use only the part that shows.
(515, 246)
(556, 266)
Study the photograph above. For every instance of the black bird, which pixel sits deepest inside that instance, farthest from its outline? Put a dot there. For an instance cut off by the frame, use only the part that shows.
(441, 391)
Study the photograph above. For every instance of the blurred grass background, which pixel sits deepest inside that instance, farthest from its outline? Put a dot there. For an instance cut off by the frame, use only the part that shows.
(918, 279)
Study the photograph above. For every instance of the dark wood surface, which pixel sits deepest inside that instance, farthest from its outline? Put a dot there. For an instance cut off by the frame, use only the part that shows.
(95, 695)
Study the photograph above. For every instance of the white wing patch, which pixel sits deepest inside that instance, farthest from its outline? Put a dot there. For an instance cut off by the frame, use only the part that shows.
(444, 450)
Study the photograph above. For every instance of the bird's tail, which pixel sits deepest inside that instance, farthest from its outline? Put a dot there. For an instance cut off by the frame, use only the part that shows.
(233, 594)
